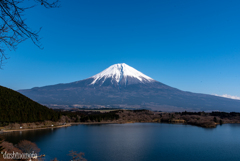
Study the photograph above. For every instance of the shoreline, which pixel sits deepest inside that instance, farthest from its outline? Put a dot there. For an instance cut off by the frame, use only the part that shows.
(92, 123)
(61, 126)
(6, 131)
(70, 124)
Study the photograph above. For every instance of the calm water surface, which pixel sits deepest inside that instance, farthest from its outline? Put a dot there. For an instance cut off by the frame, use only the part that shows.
(137, 142)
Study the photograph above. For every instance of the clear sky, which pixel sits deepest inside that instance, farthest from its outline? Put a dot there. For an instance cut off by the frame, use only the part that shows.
(191, 45)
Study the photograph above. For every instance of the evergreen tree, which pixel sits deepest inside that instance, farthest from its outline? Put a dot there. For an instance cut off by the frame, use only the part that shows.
(215, 119)
(221, 122)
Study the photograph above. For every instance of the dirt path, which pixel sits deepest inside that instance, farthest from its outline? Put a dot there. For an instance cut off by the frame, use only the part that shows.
(3, 131)
(68, 124)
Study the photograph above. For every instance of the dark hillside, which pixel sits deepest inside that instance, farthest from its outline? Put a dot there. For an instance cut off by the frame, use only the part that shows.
(15, 107)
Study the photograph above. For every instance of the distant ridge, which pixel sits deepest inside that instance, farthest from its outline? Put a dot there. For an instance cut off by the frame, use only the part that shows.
(122, 86)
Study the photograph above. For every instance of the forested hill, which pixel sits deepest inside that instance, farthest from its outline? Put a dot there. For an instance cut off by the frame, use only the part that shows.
(15, 107)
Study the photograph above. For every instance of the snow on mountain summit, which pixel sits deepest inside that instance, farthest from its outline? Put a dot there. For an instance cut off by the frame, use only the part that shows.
(121, 74)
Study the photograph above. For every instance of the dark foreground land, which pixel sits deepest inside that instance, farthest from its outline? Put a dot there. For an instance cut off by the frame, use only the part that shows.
(202, 119)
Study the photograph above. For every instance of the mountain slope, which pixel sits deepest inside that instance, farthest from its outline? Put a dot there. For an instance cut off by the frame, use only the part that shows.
(124, 86)
(15, 107)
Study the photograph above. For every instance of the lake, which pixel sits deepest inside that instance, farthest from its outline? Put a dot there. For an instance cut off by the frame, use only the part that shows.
(137, 142)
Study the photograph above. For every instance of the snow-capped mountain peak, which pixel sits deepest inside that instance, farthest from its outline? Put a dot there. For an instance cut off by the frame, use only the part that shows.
(120, 74)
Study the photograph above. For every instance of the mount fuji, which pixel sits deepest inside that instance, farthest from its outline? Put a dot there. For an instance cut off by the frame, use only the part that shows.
(120, 75)
(122, 86)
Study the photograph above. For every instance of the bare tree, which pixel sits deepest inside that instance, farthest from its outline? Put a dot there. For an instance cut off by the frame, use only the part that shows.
(28, 147)
(13, 29)
(77, 156)
(9, 147)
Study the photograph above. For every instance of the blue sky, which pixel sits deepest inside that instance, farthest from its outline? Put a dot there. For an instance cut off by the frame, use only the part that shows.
(191, 45)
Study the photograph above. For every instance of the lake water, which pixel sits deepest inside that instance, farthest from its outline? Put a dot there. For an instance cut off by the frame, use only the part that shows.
(137, 142)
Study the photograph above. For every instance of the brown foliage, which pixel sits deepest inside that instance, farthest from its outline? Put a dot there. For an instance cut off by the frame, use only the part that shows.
(28, 147)
(77, 156)
(9, 147)
(136, 116)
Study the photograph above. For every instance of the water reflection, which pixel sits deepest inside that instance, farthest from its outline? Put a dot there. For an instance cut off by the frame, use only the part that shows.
(137, 142)
(32, 135)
